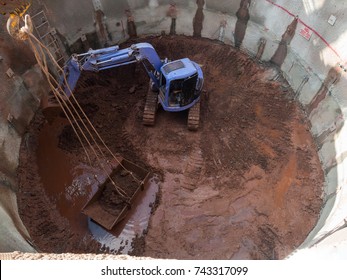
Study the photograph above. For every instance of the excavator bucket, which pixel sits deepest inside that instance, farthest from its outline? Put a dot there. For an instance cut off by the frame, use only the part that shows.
(107, 207)
(50, 108)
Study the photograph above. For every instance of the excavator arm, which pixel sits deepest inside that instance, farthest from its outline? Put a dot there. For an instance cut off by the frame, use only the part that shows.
(112, 57)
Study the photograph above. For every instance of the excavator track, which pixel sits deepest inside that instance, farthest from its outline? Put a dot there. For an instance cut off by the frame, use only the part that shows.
(150, 108)
(194, 117)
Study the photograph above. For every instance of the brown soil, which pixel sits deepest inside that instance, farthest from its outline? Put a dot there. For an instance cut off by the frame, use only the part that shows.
(246, 185)
(16, 54)
(110, 199)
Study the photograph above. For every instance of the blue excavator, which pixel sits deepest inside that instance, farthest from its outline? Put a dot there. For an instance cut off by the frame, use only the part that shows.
(174, 85)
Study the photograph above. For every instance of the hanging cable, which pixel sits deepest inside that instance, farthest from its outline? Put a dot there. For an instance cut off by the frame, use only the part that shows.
(66, 109)
(81, 110)
(56, 89)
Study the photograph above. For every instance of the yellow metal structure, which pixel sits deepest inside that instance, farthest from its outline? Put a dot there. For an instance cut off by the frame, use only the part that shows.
(16, 9)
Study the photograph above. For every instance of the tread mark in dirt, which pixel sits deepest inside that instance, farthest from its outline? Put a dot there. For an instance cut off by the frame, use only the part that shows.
(126, 136)
(194, 168)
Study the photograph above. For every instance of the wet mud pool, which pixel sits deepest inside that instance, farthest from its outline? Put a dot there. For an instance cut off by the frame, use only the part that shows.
(246, 185)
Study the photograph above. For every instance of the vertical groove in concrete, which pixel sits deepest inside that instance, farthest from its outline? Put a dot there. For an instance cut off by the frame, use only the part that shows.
(101, 27)
(243, 17)
(332, 78)
(282, 50)
(261, 48)
(198, 18)
(172, 13)
(131, 26)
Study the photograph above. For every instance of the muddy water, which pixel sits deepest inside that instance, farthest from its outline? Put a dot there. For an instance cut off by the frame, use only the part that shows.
(71, 184)
(120, 238)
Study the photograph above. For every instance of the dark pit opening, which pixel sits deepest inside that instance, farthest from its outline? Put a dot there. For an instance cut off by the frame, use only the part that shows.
(246, 185)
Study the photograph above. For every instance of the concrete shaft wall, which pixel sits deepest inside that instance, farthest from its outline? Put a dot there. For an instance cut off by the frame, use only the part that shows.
(304, 38)
(21, 88)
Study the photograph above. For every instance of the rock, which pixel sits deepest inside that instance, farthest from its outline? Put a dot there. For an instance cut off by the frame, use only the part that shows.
(124, 173)
(132, 89)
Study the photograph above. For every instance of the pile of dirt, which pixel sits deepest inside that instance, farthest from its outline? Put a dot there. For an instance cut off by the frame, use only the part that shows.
(246, 185)
(112, 200)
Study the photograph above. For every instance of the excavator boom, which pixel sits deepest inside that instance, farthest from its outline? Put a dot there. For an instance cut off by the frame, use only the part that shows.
(112, 57)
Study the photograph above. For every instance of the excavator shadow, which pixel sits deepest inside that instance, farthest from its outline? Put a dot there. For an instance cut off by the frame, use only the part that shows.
(107, 207)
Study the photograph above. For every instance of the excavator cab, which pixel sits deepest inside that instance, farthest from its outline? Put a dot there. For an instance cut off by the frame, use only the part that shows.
(182, 92)
(180, 85)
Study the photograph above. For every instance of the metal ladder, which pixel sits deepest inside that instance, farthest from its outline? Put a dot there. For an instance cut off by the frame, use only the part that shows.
(48, 36)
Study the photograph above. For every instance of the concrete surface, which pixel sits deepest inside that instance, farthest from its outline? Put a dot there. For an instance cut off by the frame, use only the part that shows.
(19, 98)
(315, 49)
